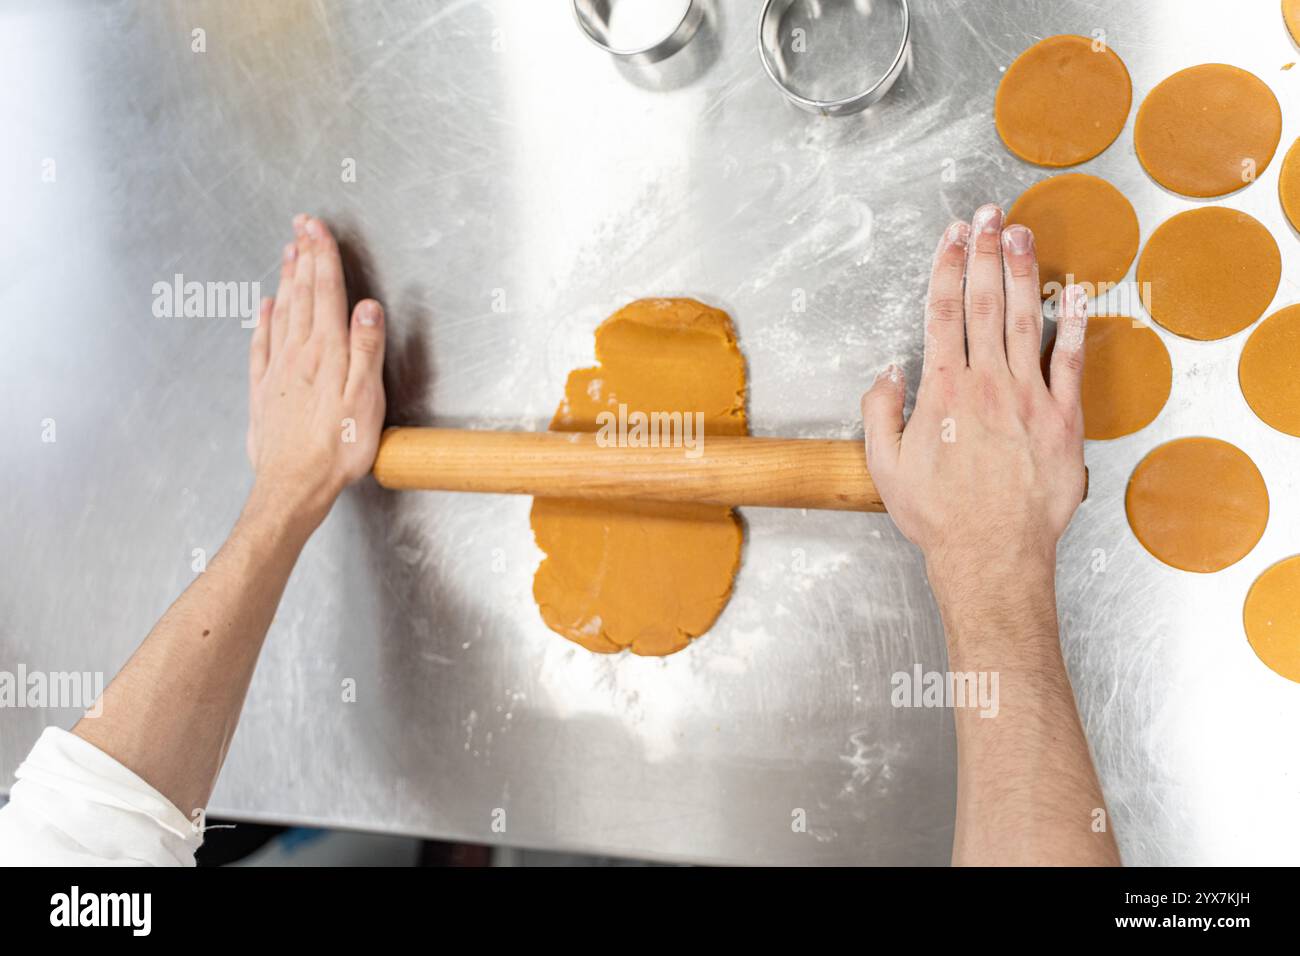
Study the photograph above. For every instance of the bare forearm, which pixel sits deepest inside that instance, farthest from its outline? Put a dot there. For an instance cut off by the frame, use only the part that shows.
(1027, 793)
(316, 410)
(171, 712)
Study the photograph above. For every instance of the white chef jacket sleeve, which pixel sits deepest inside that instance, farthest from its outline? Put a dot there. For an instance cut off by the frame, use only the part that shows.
(74, 805)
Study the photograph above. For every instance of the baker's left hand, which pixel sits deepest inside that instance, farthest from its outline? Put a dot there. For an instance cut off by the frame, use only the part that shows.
(316, 389)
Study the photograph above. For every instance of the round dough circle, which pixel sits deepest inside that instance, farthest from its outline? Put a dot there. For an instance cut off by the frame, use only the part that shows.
(1272, 617)
(1127, 377)
(1197, 504)
(1083, 227)
(1061, 103)
(1208, 273)
(1200, 131)
(1291, 15)
(1270, 370)
(1288, 185)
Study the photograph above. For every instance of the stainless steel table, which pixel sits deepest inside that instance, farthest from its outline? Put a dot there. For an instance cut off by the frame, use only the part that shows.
(513, 187)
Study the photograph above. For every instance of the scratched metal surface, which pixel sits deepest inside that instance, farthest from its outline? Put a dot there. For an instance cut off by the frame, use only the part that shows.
(504, 161)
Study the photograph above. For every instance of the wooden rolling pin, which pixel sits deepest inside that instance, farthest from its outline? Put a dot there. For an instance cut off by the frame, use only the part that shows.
(766, 472)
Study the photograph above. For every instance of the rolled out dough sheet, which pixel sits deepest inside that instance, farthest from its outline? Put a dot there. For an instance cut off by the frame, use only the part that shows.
(1272, 618)
(1208, 273)
(1208, 130)
(1063, 101)
(642, 576)
(1083, 228)
(1197, 504)
(1270, 370)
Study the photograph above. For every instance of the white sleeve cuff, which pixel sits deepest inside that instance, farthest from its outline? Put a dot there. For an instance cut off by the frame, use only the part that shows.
(74, 805)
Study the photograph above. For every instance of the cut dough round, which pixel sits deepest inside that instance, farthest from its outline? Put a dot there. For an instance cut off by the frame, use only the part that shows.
(1288, 184)
(1083, 227)
(1272, 617)
(1208, 130)
(1127, 377)
(1197, 504)
(1061, 103)
(645, 576)
(1208, 273)
(1270, 370)
(1291, 14)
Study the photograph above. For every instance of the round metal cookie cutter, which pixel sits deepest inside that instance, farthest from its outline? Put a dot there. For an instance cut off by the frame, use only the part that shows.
(596, 16)
(817, 65)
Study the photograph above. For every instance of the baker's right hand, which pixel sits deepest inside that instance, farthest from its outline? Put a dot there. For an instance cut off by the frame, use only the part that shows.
(988, 470)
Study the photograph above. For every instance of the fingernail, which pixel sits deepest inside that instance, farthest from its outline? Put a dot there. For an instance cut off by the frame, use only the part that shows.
(369, 314)
(957, 233)
(299, 221)
(314, 228)
(290, 252)
(1078, 297)
(988, 219)
(1018, 240)
(1072, 321)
